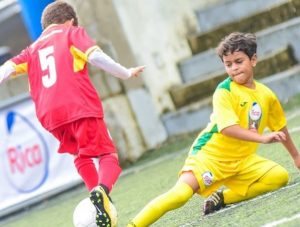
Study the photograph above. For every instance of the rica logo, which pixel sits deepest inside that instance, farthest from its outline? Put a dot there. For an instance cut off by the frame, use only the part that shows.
(26, 154)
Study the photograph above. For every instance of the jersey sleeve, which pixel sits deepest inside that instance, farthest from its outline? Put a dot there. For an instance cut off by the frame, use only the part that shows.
(276, 117)
(223, 109)
(20, 62)
(81, 46)
(82, 41)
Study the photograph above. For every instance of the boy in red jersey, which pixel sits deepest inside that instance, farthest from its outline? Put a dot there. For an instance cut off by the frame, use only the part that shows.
(66, 102)
(224, 153)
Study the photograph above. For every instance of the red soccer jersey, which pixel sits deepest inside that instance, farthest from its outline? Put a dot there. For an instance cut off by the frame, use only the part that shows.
(58, 76)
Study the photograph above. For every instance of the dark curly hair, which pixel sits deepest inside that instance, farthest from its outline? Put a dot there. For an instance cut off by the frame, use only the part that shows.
(58, 12)
(237, 41)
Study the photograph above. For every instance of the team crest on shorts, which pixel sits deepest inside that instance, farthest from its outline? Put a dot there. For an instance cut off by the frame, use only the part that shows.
(207, 178)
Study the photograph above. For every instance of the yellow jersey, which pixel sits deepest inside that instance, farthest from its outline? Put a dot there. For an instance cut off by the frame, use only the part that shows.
(234, 104)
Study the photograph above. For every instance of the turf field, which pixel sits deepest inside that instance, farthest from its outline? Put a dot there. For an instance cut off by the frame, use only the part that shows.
(157, 172)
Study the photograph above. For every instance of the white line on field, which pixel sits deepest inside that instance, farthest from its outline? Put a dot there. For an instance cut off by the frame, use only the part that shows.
(281, 221)
(296, 129)
(293, 115)
(243, 203)
(154, 162)
(257, 198)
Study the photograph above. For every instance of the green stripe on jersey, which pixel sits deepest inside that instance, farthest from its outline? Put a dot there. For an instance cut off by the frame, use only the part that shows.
(225, 84)
(202, 140)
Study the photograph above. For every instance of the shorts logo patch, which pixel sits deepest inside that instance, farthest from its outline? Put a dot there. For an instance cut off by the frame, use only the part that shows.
(207, 178)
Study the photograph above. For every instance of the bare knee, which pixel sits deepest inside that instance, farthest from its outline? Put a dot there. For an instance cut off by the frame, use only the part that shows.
(189, 178)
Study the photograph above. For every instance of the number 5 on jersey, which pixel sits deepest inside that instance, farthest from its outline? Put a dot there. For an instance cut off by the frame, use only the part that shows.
(48, 63)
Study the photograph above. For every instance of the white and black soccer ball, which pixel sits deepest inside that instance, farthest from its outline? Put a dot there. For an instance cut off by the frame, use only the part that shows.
(85, 214)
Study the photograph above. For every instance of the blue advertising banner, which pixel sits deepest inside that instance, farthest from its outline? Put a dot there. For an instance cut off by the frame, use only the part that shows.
(31, 13)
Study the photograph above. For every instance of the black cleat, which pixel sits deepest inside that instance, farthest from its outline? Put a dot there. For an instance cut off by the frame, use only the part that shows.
(214, 202)
(102, 203)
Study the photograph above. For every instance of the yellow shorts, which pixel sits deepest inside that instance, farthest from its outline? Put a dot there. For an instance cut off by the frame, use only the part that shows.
(235, 175)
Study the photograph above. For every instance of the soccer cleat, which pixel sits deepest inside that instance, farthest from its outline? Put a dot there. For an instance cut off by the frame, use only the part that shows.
(214, 202)
(102, 203)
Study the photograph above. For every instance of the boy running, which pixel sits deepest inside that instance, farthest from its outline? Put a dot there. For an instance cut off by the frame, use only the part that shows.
(66, 102)
(224, 153)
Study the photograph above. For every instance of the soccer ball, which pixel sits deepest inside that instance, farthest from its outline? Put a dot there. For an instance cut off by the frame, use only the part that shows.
(85, 214)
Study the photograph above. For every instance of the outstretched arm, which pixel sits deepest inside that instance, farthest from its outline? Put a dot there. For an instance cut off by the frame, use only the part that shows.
(238, 132)
(101, 60)
(6, 70)
(290, 146)
(282, 136)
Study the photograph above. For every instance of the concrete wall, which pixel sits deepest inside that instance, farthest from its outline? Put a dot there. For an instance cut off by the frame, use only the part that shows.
(139, 32)
(156, 32)
(134, 32)
(13, 33)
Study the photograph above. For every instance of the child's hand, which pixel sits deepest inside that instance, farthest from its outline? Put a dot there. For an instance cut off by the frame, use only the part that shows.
(137, 71)
(274, 137)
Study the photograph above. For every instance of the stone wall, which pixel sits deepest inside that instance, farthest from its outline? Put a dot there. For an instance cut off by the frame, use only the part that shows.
(139, 32)
(133, 32)
(156, 32)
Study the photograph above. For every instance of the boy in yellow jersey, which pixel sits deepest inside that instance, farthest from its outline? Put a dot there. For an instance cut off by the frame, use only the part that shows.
(224, 153)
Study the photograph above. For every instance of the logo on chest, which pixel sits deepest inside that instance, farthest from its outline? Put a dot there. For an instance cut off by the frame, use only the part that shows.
(255, 114)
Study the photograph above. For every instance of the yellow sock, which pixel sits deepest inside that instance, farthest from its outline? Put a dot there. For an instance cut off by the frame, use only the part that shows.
(274, 179)
(174, 198)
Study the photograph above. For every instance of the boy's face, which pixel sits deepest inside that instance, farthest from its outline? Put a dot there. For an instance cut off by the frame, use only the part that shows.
(240, 68)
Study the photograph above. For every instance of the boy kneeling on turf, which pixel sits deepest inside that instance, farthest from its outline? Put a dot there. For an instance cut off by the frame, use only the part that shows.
(224, 153)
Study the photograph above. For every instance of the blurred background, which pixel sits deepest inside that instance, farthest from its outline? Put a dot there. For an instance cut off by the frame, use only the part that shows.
(176, 41)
